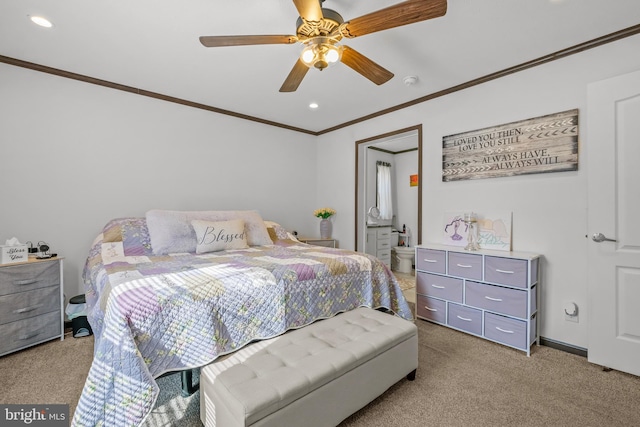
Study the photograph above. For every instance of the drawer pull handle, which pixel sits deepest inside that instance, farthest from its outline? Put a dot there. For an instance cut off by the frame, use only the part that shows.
(493, 299)
(504, 271)
(464, 265)
(28, 336)
(430, 309)
(25, 282)
(430, 260)
(437, 286)
(27, 309)
(503, 330)
(464, 318)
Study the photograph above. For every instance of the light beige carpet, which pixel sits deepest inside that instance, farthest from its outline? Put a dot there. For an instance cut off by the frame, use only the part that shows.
(406, 280)
(407, 283)
(461, 381)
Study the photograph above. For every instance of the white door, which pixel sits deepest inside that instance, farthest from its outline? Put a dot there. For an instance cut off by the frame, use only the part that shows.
(613, 151)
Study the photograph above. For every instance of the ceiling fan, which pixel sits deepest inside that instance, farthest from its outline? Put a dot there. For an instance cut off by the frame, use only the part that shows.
(320, 31)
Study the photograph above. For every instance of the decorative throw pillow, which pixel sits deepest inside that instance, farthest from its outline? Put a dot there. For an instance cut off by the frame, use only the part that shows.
(172, 232)
(276, 231)
(219, 236)
(272, 234)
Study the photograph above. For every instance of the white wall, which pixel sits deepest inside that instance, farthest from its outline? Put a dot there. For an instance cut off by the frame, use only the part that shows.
(75, 155)
(549, 210)
(406, 164)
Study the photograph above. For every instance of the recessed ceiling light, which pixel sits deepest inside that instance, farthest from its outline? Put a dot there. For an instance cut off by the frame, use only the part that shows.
(39, 20)
(313, 106)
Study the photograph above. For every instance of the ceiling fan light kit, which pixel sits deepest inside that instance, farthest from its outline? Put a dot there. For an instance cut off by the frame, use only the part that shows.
(320, 30)
(320, 52)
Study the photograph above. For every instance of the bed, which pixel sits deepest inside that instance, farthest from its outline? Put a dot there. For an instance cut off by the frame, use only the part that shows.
(159, 300)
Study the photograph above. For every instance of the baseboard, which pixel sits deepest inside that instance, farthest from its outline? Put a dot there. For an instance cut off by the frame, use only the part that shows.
(563, 346)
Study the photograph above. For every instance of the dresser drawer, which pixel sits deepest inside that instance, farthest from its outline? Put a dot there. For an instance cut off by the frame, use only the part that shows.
(25, 277)
(384, 256)
(29, 304)
(506, 271)
(383, 244)
(512, 302)
(465, 265)
(383, 233)
(23, 333)
(432, 309)
(431, 260)
(465, 318)
(449, 288)
(505, 330)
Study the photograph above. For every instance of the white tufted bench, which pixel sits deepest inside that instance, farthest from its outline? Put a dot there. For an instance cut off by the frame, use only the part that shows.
(314, 376)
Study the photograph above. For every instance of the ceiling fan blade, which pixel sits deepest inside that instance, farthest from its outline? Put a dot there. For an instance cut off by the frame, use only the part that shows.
(217, 41)
(309, 10)
(363, 65)
(407, 12)
(295, 77)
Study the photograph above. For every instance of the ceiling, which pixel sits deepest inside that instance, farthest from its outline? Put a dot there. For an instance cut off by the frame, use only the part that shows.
(153, 45)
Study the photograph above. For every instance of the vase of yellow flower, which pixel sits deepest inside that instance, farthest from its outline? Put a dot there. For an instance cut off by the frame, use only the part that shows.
(325, 222)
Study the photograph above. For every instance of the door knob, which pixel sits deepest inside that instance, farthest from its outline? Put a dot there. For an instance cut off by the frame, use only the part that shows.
(599, 237)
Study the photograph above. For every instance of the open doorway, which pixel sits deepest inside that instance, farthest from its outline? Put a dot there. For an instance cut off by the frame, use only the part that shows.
(401, 143)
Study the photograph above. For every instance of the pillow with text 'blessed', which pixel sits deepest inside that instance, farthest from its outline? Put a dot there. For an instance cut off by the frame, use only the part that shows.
(213, 236)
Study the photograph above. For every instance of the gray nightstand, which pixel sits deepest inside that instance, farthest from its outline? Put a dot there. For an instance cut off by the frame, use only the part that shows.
(31, 303)
(328, 243)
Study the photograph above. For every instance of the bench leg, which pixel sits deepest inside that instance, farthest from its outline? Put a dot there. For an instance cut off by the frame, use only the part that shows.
(412, 375)
(187, 383)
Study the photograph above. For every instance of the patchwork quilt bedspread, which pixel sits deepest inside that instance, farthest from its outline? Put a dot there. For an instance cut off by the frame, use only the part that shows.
(155, 314)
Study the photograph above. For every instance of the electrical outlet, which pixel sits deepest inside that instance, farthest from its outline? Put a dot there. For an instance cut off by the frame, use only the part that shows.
(571, 312)
(571, 318)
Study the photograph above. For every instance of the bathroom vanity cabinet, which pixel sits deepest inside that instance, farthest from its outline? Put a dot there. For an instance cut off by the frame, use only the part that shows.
(379, 243)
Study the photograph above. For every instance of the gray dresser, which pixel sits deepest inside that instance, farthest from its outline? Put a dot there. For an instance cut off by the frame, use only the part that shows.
(31, 303)
(491, 294)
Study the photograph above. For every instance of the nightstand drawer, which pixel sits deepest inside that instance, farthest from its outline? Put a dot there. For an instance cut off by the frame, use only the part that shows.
(495, 298)
(506, 271)
(23, 333)
(448, 288)
(432, 309)
(465, 318)
(465, 265)
(25, 277)
(431, 260)
(505, 330)
(29, 304)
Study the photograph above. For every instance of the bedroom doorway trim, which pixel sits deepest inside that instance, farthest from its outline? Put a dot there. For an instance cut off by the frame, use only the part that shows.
(360, 209)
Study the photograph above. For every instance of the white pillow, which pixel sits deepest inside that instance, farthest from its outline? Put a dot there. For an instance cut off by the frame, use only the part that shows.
(219, 236)
(172, 232)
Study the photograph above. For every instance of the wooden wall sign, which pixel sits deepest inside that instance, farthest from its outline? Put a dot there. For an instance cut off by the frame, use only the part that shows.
(539, 145)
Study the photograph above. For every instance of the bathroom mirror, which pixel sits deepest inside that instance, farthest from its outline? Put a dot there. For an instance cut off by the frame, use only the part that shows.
(373, 214)
(405, 146)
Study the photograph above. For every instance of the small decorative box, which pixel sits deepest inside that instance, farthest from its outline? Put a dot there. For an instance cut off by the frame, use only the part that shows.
(12, 254)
